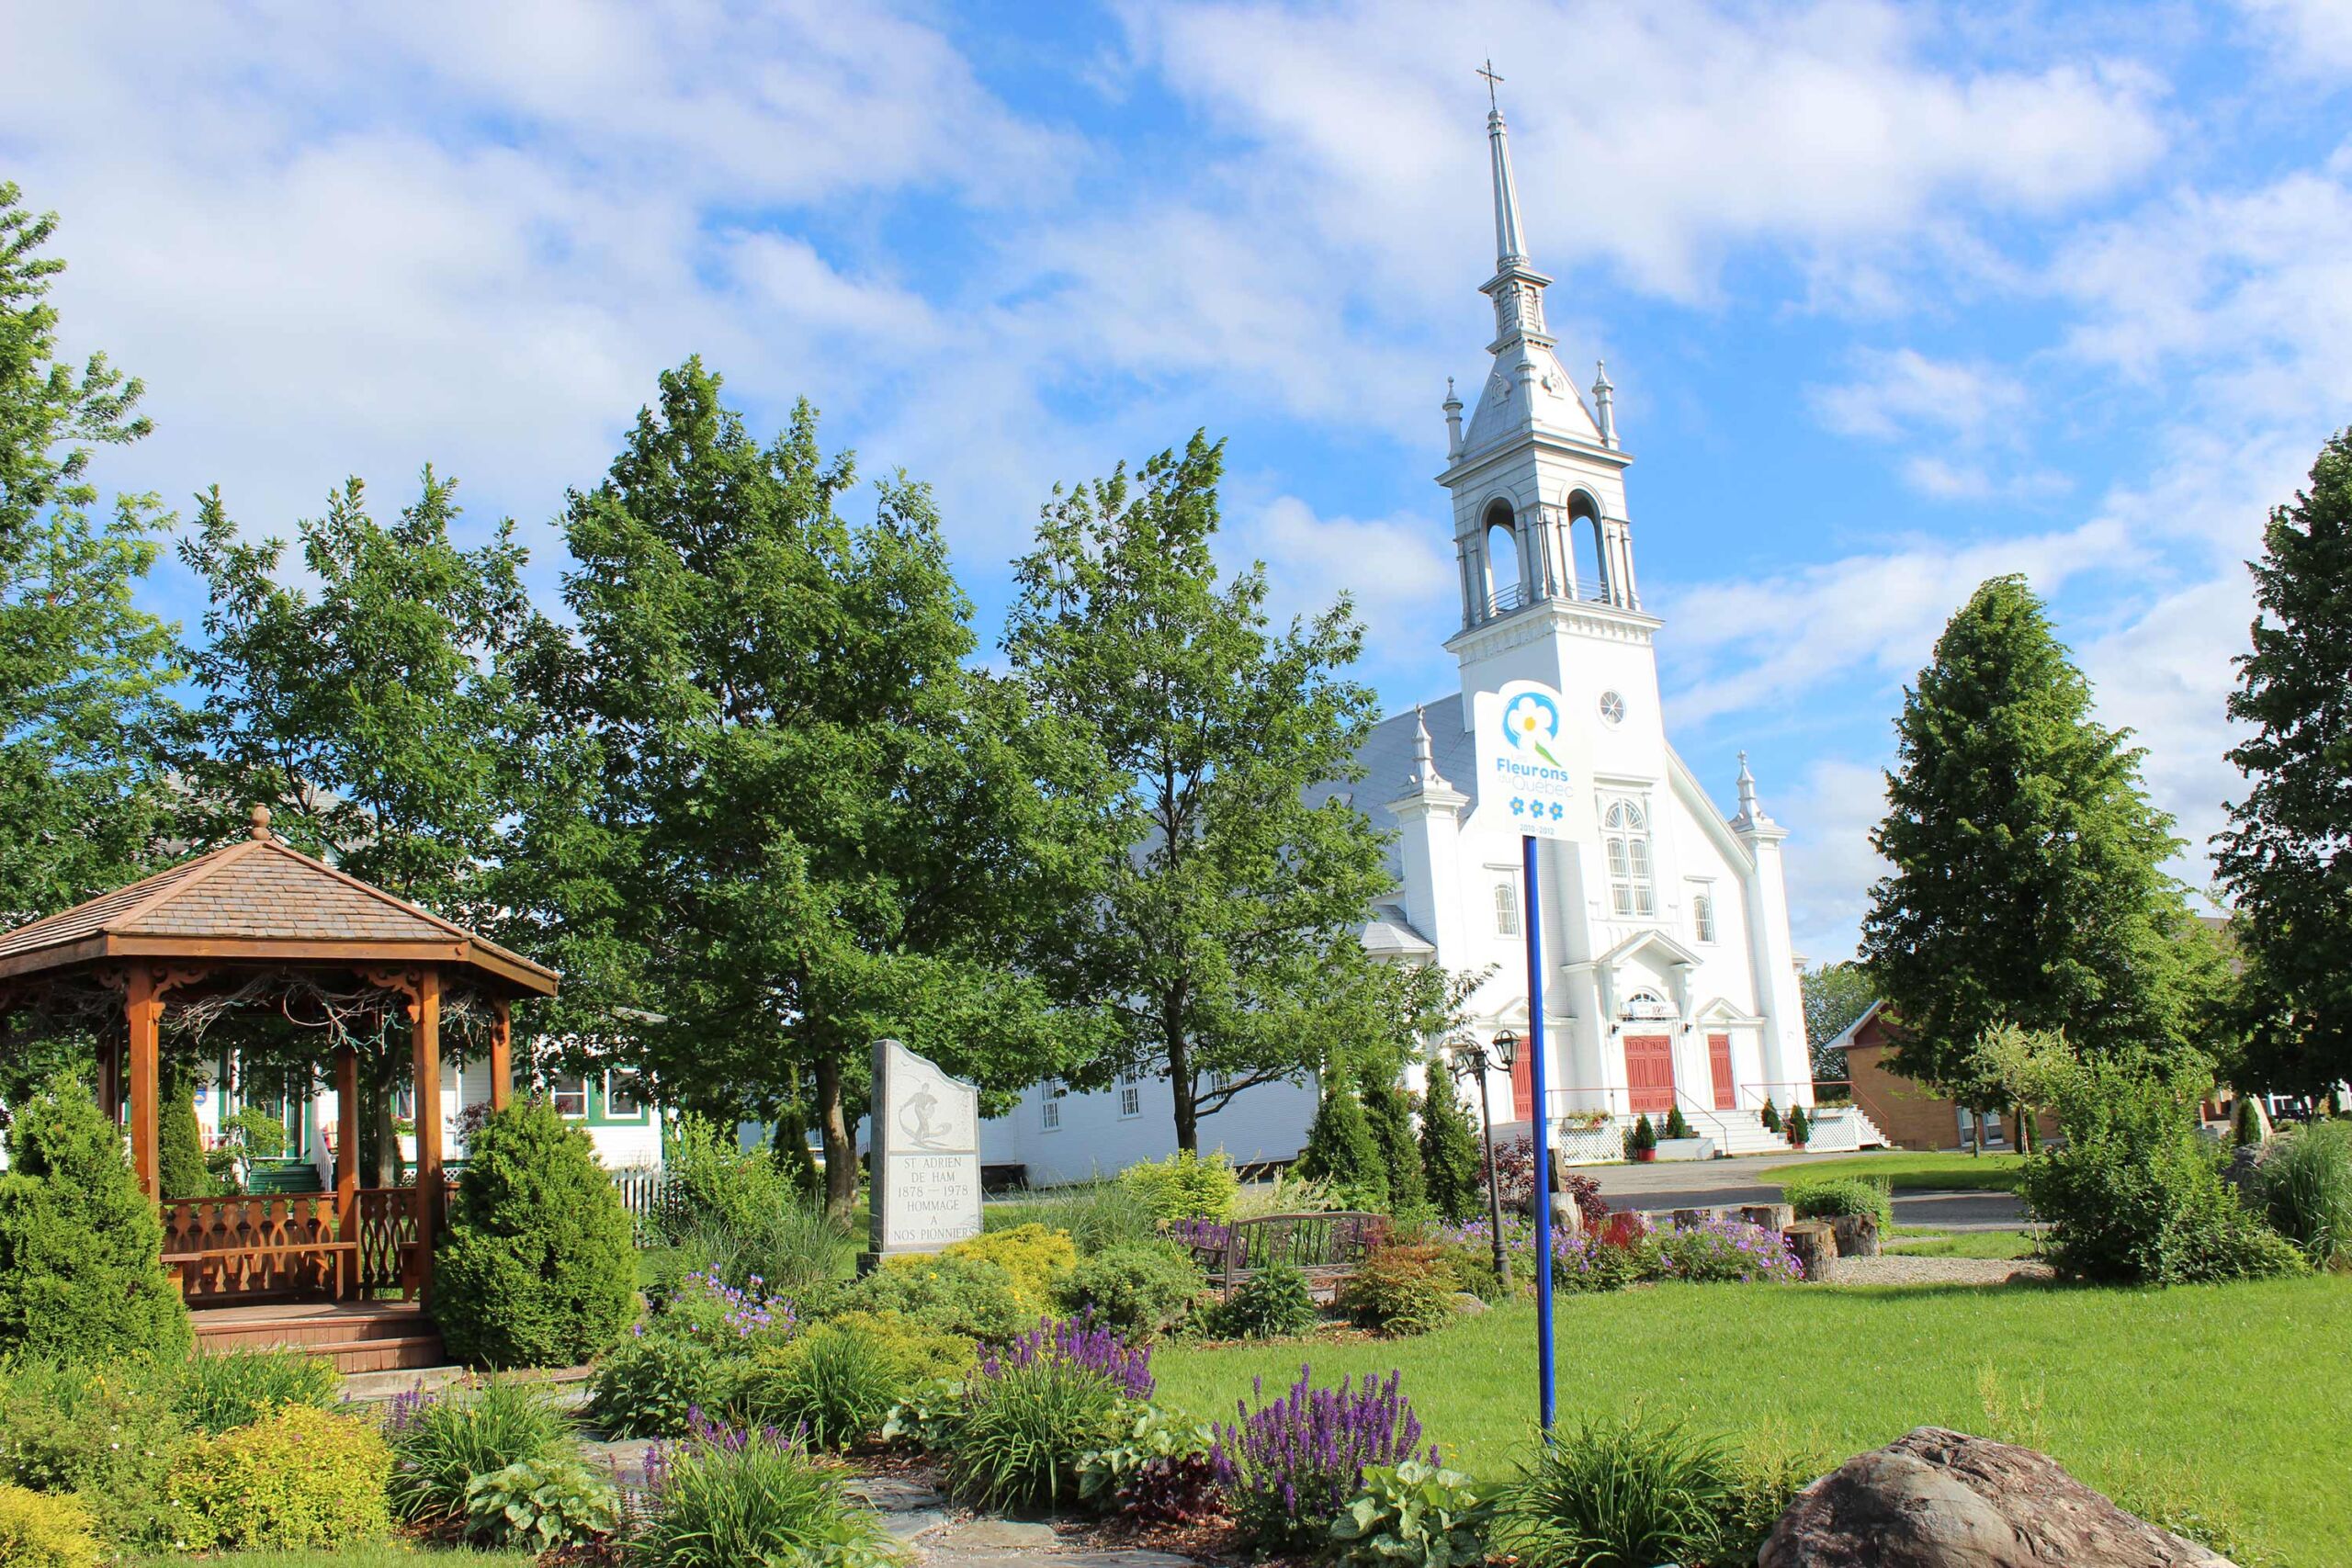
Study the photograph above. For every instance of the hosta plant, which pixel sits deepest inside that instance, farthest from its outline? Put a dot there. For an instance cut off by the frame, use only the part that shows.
(1413, 1515)
(1162, 1471)
(539, 1505)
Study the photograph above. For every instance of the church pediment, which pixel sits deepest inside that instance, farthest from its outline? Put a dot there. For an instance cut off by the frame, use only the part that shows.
(1655, 947)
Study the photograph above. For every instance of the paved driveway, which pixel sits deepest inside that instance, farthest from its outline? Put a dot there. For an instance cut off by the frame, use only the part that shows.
(1726, 1183)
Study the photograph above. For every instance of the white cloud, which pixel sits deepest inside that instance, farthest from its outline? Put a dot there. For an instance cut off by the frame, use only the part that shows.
(2309, 37)
(1899, 391)
(1396, 570)
(1829, 861)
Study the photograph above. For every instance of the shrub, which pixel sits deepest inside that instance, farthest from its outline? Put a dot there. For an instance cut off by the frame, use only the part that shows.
(217, 1393)
(836, 1384)
(1096, 1215)
(1449, 1166)
(1184, 1186)
(1416, 1513)
(2305, 1183)
(926, 1354)
(538, 1504)
(261, 1132)
(1289, 1466)
(1039, 1260)
(1401, 1288)
(2136, 1195)
(710, 1183)
(82, 1275)
(539, 1268)
(1515, 1179)
(1473, 1267)
(1589, 1264)
(440, 1442)
(1770, 1116)
(1026, 1425)
(969, 1296)
(1799, 1127)
(1142, 1290)
(2245, 1123)
(650, 1384)
(704, 1307)
(793, 1250)
(1161, 1470)
(41, 1531)
(299, 1478)
(1287, 1194)
(180, 1168)
(1274, 1303)
(1388, 1111)
(1827, 1196)
(1340, 1149)
(1676, 1125)
(109, 1434)
(1643, 1138)
(723, 1499)
(1609, 1491)
(1720, 1251)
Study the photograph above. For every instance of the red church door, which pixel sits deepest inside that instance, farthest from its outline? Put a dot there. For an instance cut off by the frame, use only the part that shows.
(1649, 1072)
(1523, 1083)
(1719, 1063)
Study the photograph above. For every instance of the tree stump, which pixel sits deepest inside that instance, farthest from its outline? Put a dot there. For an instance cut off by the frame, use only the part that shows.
(1769, 1216)
(1692, 1219)
(1815, 1245)
(1857, 1234)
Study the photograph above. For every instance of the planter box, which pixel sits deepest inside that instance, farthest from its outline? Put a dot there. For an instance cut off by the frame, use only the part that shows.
(1686, 1148)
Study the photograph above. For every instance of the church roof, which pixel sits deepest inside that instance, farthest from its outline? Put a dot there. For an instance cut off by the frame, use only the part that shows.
(258, 899)
(1389, 935)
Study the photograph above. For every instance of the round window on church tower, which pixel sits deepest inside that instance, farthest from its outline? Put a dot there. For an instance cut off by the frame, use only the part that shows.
(1612, 708)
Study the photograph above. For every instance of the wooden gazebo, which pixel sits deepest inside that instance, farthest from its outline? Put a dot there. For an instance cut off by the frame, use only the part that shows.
(258, 923)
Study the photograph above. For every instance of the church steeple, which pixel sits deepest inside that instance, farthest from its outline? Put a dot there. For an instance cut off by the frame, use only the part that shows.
(1510, 239)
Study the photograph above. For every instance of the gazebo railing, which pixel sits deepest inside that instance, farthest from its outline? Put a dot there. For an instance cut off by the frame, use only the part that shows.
(225, 1249)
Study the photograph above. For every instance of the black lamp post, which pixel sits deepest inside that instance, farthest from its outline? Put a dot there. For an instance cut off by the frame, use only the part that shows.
(1469, 1056)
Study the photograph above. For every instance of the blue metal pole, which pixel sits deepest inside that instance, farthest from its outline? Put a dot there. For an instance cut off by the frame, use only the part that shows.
(1528, 851)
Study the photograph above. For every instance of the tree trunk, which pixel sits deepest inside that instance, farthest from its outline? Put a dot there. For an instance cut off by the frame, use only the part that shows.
(378, 1144)
(833, 1131)
(1180, 1080)
(2023, 1142)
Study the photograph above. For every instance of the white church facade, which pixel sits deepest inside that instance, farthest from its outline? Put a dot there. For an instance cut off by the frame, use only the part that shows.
(1670, 977)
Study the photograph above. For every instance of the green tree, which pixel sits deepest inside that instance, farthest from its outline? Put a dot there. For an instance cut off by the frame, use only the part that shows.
(1223, 944)
(85, 708)
(784, 818)
(374, 710)
(2027, 884)
(1388, 1111)
(2282, 858)
(179, 1153)
(82, 1274)
(1451, 1162)
(1836, 994)
(1340, 1148)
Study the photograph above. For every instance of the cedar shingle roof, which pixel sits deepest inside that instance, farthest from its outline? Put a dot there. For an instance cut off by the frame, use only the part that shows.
(254, 899)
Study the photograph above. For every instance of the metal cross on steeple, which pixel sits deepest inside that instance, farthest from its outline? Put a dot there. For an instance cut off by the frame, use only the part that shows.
(1492, 82)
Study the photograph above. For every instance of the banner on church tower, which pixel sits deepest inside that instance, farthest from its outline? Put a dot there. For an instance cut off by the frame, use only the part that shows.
(1523, 762)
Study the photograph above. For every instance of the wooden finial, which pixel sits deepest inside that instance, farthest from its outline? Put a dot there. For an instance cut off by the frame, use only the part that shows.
(260, 815)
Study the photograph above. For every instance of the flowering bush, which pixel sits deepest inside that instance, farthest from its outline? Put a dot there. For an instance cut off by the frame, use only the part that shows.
(1080, 1342)
(1191, 1233)
(1039, 1407)
(1720, 1250)
(704, 1307)
(1608, 1261)
(1586, 1263)
(1289, 1466)
(728, 1495)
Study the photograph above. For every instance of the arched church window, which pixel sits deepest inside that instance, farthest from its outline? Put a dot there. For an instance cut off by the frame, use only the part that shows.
(1703, 915)
(1503, 589)
(1506, 910)
(1584, 531)
(1625, 840)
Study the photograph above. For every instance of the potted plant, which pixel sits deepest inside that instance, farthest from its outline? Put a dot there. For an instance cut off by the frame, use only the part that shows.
(1800, 1130)
(1770, 1116)
(1642, 1142)
(1679, 1142)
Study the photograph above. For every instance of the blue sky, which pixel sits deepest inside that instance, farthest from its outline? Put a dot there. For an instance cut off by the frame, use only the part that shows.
(1896, 297)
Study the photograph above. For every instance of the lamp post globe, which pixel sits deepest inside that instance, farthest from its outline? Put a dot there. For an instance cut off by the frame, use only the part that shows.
(1506, 1050)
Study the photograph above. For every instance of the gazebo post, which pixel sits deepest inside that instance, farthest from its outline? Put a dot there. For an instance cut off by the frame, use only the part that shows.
(347, 1153)
(143, 1011)
(501, 1054)
(110, 1080)
(427, 1036)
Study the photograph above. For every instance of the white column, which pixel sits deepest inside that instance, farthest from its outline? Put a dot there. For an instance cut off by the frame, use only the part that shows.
(1779, 1002)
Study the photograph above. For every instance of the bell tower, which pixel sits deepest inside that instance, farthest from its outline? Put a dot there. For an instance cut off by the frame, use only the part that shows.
(1541, 535)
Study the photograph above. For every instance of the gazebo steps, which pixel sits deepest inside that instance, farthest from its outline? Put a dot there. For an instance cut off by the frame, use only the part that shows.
(360, 1337)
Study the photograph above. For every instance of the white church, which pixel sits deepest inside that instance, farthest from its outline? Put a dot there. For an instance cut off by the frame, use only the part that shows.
(1670, 977)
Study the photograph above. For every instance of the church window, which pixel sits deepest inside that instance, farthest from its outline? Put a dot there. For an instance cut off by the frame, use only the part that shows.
(1049, 1113)
(1626, 839)
(1612, 708)
(1130, 1096)
(1506, 910)
(1703, 915)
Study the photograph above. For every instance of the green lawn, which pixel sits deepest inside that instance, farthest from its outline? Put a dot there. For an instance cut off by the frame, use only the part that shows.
(1961, 1244)
(2232, 1393)
(1904, 1168)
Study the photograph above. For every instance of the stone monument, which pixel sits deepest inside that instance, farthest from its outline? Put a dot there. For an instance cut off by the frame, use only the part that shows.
(925, 1135)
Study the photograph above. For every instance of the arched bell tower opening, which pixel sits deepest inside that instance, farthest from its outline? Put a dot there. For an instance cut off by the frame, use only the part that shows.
(1589, 559)
(1506, 584)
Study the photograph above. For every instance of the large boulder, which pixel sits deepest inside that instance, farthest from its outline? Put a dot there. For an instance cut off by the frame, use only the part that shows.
(1936, 1498)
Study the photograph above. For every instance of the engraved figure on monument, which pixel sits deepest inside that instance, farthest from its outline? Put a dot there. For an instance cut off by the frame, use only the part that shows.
(926, 1149)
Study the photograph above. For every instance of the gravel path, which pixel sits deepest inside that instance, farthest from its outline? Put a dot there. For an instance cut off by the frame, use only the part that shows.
(1892, 1269)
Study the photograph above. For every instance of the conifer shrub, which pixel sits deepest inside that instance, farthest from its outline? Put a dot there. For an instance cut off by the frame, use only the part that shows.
(1800, 1127)
(297, 1479)
(180, 1165)
(539, 1269)
(1643, 1139)
(1039, 1260)
(1388, 1111)
(82, 1275)
(37, 1530)
(1184, 1186)
(1676, 1125)
(1142, 1290)
(1340, 1151)
(1450, 1163)
(2245, 1123)
(1770, 1116)
(971, 1296)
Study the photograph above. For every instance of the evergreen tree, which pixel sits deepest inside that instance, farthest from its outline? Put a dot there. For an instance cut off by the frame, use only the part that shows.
(1340, 1149)
(1450, 1163)
(2282, 858)
(1388, 1111)
(84, 673)
(2028, 885)
(82, 1275)
(1222, 946)
(180, 1170)
(1836, 994)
